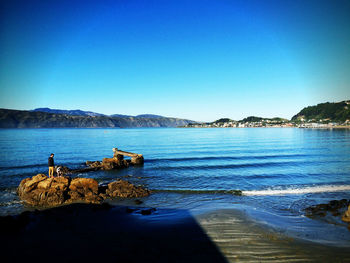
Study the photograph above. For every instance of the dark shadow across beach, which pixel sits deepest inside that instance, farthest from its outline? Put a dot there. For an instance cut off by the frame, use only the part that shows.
(104, 233)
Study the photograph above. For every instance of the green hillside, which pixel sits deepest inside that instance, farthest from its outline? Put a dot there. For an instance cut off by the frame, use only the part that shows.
(328, 112)
(260, 119)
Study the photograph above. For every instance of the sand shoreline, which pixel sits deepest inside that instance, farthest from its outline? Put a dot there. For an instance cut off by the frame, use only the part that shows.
(241, 239)
(82, 232)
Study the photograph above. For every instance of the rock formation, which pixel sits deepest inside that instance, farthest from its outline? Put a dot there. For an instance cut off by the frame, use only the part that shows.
(43, 191)
(334, 207)
(136, 159)
(331, 212)
(116, 162)
(124, 189)
(346, 215)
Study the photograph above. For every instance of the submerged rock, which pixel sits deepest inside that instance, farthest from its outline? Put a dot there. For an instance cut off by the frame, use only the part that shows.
(96, 164)
(346, 215)
(331, 212)
(334, 207)
(43, 191)
(122, 188)
(108, 164)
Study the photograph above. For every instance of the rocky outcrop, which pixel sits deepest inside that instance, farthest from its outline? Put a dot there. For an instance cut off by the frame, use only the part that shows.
(114, 163)
(84, 189)
(43, 191)
(346, 215)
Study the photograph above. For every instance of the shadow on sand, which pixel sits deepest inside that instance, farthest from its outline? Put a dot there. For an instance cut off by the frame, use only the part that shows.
(97, 233)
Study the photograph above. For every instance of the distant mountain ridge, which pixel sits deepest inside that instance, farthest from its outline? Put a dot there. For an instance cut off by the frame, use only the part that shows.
(68, 112)
(148, 116)
(90, 113)
(58, 119)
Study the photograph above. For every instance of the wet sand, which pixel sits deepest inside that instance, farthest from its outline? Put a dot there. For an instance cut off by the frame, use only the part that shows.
(242, 240)
(98, 233)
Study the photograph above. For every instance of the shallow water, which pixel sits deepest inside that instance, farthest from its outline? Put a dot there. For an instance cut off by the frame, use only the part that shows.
(280, 171)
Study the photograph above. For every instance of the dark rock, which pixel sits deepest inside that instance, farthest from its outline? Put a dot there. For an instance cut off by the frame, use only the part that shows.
(96, 164)
(102, 188)
(62, 170)
(119, 157)
(335, 213)
(334, 207)
(138, 202)
(130, 210)
(84, 170)
(235, 192)
(142, 211)
(147, 211)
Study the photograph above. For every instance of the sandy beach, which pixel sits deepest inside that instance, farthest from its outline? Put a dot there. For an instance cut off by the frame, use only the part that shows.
(91, 233)
(242, 240)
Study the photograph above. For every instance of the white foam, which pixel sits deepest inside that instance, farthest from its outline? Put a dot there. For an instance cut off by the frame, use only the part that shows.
(294, 191)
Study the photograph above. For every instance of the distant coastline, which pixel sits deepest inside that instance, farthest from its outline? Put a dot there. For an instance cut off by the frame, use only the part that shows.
(327, 115)
(39, 119)
(272, 127)
(321, 116)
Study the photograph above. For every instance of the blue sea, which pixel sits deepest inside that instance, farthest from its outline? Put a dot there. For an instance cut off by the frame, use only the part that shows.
(280, 171)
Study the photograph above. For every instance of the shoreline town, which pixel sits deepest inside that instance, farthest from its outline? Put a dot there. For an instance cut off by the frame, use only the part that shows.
(269, 123)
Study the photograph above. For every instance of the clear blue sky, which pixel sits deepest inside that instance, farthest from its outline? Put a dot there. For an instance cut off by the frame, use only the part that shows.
(200, 60)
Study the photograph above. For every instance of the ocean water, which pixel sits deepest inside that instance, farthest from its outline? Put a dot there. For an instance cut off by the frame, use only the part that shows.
(280, 171)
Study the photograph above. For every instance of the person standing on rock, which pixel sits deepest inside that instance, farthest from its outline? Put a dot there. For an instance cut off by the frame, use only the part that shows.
(51, 165)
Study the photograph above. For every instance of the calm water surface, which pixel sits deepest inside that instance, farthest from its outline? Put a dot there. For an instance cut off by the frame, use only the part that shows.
(280, 171)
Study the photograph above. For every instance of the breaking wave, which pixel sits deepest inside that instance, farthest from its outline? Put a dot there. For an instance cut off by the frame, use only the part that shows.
(294, 191)
(266, 192)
